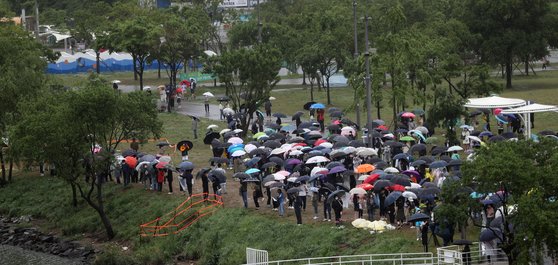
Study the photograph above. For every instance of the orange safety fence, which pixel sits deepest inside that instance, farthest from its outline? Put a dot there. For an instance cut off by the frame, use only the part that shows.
(186, 214)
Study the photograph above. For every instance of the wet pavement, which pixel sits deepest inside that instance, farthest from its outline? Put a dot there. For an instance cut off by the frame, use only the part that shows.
(17, 256)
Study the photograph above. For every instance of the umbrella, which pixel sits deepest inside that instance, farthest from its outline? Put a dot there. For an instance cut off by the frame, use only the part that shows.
(166, 159)
(358, 191)
(210, 137)
(401, 180)
(408, 115)
(474, 138)
(317, 106)
(297, 115)
(161, 165)
(409, 195)
(129, 152)
(462, 242)
(219, 160)
(252, 171)
(184, 146)
(392, 197)
(228, 111)
(364, 168)
(497, 138)
(356, 143)
(293, 161)
(407, 139)
(303, 179)
(337, 169)
(418, 217)
(241, 175)
(225, 98)
(347, 130)
(485, 133)
(208, 94)
(333, 109)
(294, 190)
(429, 191)
(455, 148)
(382, 184)
(279, 115)
(411, 173)
(336, 114)
(224, 131)
(147, 158)
(401, 130)
(212, 126)
(401, 156)
(372, 178)
(365, 186)
(235, 140)
(272, 98)
(417, 148)
(509, 135)
(131, 161)
(338, 193)
(422, 129)
(394, 144)
(279, 177)
(455, 162)
(307, 105)
(438, 150)
(186, 165)
(274, 184)
(217, 176)
(431, 140)
(238, 153)
(317, 159)
(490, 234)
(391, 170)
(438, 164)
(380, 164)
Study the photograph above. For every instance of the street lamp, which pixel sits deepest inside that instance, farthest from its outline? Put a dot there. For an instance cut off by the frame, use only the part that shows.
(368, 92)
(357, 106)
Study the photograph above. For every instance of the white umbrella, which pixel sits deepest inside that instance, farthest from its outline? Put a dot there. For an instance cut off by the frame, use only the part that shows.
(147, 88)
(326, 144)
(277, 151)
(474, 138)
(455, 148)
(362, 177)
(317, 159)
(235, 140)
(116, 81)
(212, 126)
(228, 111)
(413, 186)
(349, 149)
(347, 130)
(208, 94)
(238, 153)
(138, 167)
(316, 170)
(279, 177)
(408, 194)
(272, 98)
(422, 129)
(250, 147)
(391, 170)
(224, 131)
(165, 159)
(292, 179)
(296, 153)
(238, 131)
(359, 191)
(367, 152)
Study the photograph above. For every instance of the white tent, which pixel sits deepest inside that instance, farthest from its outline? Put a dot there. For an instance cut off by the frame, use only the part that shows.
(494, 102)
(528, 109)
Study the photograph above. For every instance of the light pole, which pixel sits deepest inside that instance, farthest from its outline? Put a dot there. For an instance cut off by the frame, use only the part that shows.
(357, 106)
(368, 92)
(259, 24)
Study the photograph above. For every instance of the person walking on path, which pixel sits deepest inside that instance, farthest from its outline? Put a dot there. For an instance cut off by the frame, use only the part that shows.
(281, 201)
(267, 107)
(257, 194)
(186, 183)
(195, 122)
(243, 192)
(221, 107)
(206, 104)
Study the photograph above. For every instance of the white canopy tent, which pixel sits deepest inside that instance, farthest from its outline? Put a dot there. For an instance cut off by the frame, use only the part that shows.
(494, 102)
(527, 110)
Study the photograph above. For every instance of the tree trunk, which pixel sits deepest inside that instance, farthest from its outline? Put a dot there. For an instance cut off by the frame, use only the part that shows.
(10, 170)
(140, 74)
(3, 165)
(101, 211)
(311, 90)
(378, 108)
(135, 67)
(303, 78)
(74, 194)
(98, 61)
(527, 66)
(158, 70)
(328, 96)
(509, 69)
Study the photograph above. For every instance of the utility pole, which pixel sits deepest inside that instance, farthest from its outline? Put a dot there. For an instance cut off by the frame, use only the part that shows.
(36, 20)
(357, 106)
(368, 92)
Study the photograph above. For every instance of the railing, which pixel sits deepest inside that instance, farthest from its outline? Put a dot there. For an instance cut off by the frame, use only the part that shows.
(187, 213)
(477, 254)
(371, 259)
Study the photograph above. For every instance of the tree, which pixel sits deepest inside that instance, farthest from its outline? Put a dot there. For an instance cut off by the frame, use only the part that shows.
(248, 75)
(22, 65)
(447, 112)
(522, 176)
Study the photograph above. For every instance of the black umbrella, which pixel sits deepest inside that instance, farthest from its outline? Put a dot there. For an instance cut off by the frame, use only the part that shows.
(255, 180)
(462, 242)
(129, 152)
(382, 184)
(475, 113)
(392, 197)
(418, 162)
(302, 179)
(490, 234)
(274, 126)
(429, 185)
(429, 192)
(427, 159)
(279, 115)
(509, 135)
(401, 180)
(445, 158)
(241, 175)
(258, 152)
(418, 217)
(341, 139)
(373, 160)
(228, 135)
(438, 150)
(337, 155)
(276, 160)
(268, 165)
(545, 132)
(184, 145)
(496, 138)
(340, 186)
(401, 156)
(475, 133)
(297, 115)
(219, 160)
(217, 176)
(356, 143)
(455, 162)
(276, 136)
(294, 190)
(161, 144)
(348, 122)
(333, 109)
(333, 127)
(438, 164)
(210, 136)
(381, 165)
(225, 98)
(329, 186)
(394, 144)
(417, 148)
(272, 144)
(295, 139)
(276, 185)
(338, 193)
(202, 172)
(308, 104)
(304, 125)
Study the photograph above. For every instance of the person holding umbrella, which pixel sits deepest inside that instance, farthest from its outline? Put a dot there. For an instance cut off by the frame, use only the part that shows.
(281, 201)
(205, 182)
(186, 181)
(267, 107)
(243, 192)
(320, 117)
(257, 194)
(337, 205)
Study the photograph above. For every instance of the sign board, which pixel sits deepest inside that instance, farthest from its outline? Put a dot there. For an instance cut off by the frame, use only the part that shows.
(200, 77)
(234, 3)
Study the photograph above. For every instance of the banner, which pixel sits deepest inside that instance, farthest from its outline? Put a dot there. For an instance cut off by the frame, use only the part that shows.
(234, 3)
(196, 75)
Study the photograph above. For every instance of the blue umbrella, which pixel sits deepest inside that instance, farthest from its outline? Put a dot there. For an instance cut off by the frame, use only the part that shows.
(392, 197)
(337, 169)
(401, 156)
(252, 171)
(317, 106)
(486, 133)
(252, 162)
(490, 234)
(419, 133)
(235, 147)
(303, 179)
(438, 164)
(501, 119)
(288, 128)
(186, 165)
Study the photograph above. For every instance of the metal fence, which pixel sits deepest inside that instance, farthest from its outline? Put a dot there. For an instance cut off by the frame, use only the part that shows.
(477, 254)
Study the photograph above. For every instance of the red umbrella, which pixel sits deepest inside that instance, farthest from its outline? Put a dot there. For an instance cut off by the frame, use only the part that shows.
(383, 127)
(372, 178)
(365, 186)
(161, 165)
(408, 115)
(319, 141)
(397, 187)
(131, 161)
